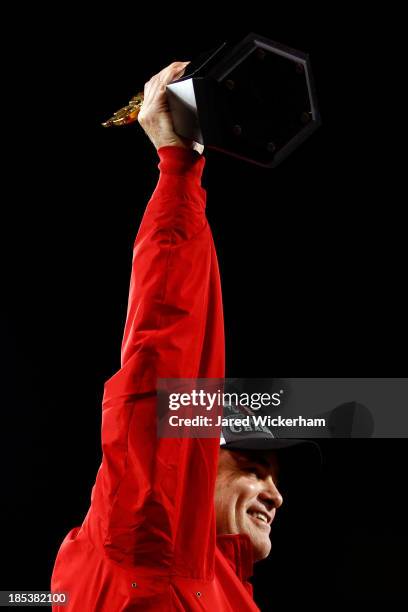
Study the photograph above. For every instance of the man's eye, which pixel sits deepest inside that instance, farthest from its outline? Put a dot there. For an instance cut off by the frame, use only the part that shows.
(253, 469)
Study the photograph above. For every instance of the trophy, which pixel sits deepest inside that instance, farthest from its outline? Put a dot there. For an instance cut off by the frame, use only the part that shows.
(254, 100)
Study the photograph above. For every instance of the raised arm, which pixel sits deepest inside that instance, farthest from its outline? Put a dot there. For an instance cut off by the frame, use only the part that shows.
(148, 491)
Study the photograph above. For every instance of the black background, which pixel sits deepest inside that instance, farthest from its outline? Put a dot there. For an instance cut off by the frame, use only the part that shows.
(312, 266)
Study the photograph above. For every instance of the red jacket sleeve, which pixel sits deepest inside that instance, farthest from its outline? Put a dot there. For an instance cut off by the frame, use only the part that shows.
(153, 500)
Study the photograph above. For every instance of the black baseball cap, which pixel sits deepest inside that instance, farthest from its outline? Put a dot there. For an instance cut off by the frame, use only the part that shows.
(301, 454)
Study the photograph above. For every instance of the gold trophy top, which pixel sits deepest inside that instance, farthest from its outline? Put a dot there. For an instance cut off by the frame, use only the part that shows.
(127, 114)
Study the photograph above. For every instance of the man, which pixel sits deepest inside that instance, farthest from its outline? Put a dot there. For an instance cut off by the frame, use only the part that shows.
(153, 539)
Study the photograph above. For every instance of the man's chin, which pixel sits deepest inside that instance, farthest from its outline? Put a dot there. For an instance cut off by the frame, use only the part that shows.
(261, 545)
(261, 550)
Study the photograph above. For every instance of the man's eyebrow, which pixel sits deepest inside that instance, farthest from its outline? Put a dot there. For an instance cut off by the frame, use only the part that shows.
(270, 465)
(263, 461)
(256, 459)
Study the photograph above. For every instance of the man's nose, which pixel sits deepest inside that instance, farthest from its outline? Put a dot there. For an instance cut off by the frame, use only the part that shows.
(270, 494)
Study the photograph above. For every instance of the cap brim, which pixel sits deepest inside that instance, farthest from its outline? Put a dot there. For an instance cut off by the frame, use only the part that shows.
(257, 443)
(299, 453)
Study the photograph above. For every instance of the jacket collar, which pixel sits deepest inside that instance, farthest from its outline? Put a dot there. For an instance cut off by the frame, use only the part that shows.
(237, 549)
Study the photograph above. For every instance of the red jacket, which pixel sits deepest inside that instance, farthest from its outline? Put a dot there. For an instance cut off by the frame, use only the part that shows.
(148, 541)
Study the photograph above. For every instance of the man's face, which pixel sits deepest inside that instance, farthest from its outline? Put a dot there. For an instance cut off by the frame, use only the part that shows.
(246, 496)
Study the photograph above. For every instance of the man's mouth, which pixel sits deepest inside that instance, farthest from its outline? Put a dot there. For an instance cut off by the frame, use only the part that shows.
(260, 518)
